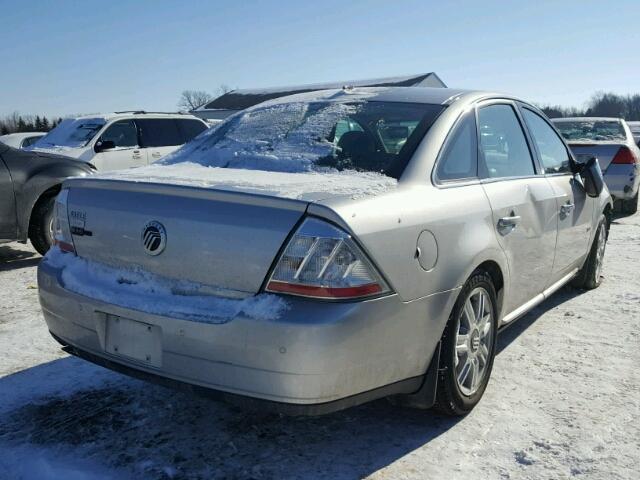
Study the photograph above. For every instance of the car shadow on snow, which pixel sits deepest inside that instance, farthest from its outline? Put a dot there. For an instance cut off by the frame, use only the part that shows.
(155, 432)
(13, 259)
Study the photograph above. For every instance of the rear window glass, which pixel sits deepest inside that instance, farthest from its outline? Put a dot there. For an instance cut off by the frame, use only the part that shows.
(300, 136)
(592, 130)
(159, 132)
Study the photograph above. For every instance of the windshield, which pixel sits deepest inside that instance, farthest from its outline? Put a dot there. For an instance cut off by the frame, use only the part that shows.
(590, 130)
(72, 133)
(301, 136)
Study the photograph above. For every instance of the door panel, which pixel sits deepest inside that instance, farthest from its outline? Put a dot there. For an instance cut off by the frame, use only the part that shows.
(8, 223)
(529, 238)
(574, 216)
(127, 153)
(574, 209)
(156, 153)
(120, 158)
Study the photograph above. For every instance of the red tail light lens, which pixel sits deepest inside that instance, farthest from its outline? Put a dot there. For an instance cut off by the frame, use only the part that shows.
(624, 157)
(323, 261)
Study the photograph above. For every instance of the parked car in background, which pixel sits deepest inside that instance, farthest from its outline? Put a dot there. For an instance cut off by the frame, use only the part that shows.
(21, 140)
(611, 141)
(635, 131)
(303, 254)
(29, 183)
(121, 140)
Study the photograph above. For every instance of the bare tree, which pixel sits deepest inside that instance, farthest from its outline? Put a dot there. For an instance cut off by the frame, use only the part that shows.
(224, 88)
(192, 99)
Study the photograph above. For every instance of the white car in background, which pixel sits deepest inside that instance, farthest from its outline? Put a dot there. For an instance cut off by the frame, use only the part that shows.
(22, 139)
(122, 139)
(635, 131)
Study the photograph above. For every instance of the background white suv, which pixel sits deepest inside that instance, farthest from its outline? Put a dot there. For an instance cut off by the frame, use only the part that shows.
(122, 139)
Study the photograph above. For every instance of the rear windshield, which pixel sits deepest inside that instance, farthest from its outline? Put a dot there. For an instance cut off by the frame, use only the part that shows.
(72, 133)
(592, 130)
(301, 136)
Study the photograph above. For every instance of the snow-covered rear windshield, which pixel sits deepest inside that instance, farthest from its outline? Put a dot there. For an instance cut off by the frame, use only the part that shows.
(590, 130)
(301, 136)
(72, 133)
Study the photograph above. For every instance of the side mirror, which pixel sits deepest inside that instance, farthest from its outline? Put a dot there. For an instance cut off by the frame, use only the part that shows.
(591, 174)
(102, 145)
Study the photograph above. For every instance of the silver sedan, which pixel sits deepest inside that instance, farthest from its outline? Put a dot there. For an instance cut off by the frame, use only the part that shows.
(326, 249)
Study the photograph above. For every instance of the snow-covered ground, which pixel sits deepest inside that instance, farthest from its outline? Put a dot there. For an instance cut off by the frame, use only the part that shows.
(563, 402)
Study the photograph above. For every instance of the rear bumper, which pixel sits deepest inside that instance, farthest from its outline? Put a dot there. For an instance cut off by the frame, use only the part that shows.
(622, 180)
(318, 357)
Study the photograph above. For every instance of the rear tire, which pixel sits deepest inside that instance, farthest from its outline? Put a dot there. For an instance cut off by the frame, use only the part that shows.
(41, 228)
(589, 276)
(630, 206)
(468, 347)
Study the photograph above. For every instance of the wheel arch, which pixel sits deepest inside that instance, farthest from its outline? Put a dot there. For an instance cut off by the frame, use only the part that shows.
(52, 191)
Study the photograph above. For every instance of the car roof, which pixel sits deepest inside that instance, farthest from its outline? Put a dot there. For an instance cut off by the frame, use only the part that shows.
(587, 119)
(23, 134)
(134, 113)
(428, 95)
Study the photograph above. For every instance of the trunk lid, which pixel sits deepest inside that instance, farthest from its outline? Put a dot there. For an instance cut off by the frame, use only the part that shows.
(223, 227)
(603, 151)
(224, 240)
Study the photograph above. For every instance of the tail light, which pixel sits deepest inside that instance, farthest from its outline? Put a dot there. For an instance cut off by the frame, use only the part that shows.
(322, 261)
(624, 157)
(61, 228)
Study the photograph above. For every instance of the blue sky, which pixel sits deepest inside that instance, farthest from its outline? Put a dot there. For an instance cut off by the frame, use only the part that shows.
(65, 57)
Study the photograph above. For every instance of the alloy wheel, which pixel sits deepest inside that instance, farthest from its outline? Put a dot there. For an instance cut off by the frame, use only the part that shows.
(602, 244)
(474, 341)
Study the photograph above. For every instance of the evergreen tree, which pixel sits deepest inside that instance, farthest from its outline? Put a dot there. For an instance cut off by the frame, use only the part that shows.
(45, 124)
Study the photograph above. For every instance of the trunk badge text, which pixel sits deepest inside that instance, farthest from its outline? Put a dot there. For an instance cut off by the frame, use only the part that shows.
(154, 238)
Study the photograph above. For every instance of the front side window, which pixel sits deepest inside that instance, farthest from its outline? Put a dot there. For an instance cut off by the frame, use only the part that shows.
(159, 132)
(503, 145)
(459, 159)
(553, 153)
(122, 133)
(311, 135)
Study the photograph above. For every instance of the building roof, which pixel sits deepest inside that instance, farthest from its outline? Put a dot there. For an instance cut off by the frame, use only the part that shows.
(245, 98)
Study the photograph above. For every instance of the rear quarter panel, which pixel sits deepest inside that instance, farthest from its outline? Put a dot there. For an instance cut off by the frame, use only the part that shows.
(388, 228)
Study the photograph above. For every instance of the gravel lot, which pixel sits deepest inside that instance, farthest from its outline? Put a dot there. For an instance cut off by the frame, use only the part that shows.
(563, 402)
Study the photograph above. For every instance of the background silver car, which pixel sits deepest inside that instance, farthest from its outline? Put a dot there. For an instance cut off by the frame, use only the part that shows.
(611, 141)
(326, 249)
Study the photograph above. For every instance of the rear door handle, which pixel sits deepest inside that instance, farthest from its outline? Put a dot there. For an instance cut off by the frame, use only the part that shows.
(506, 225)
(156, 154)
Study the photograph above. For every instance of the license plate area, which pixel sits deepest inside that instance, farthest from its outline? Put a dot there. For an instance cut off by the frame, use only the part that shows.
(134, 340)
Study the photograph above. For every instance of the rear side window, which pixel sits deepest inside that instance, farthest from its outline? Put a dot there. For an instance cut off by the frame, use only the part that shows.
(159, 132)
(553, 153)
(459, 159)
(190, 129)
(502, 143)
(122, 133)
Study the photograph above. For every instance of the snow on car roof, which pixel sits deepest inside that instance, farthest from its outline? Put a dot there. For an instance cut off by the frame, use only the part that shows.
(586, 119)
(115, 115)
